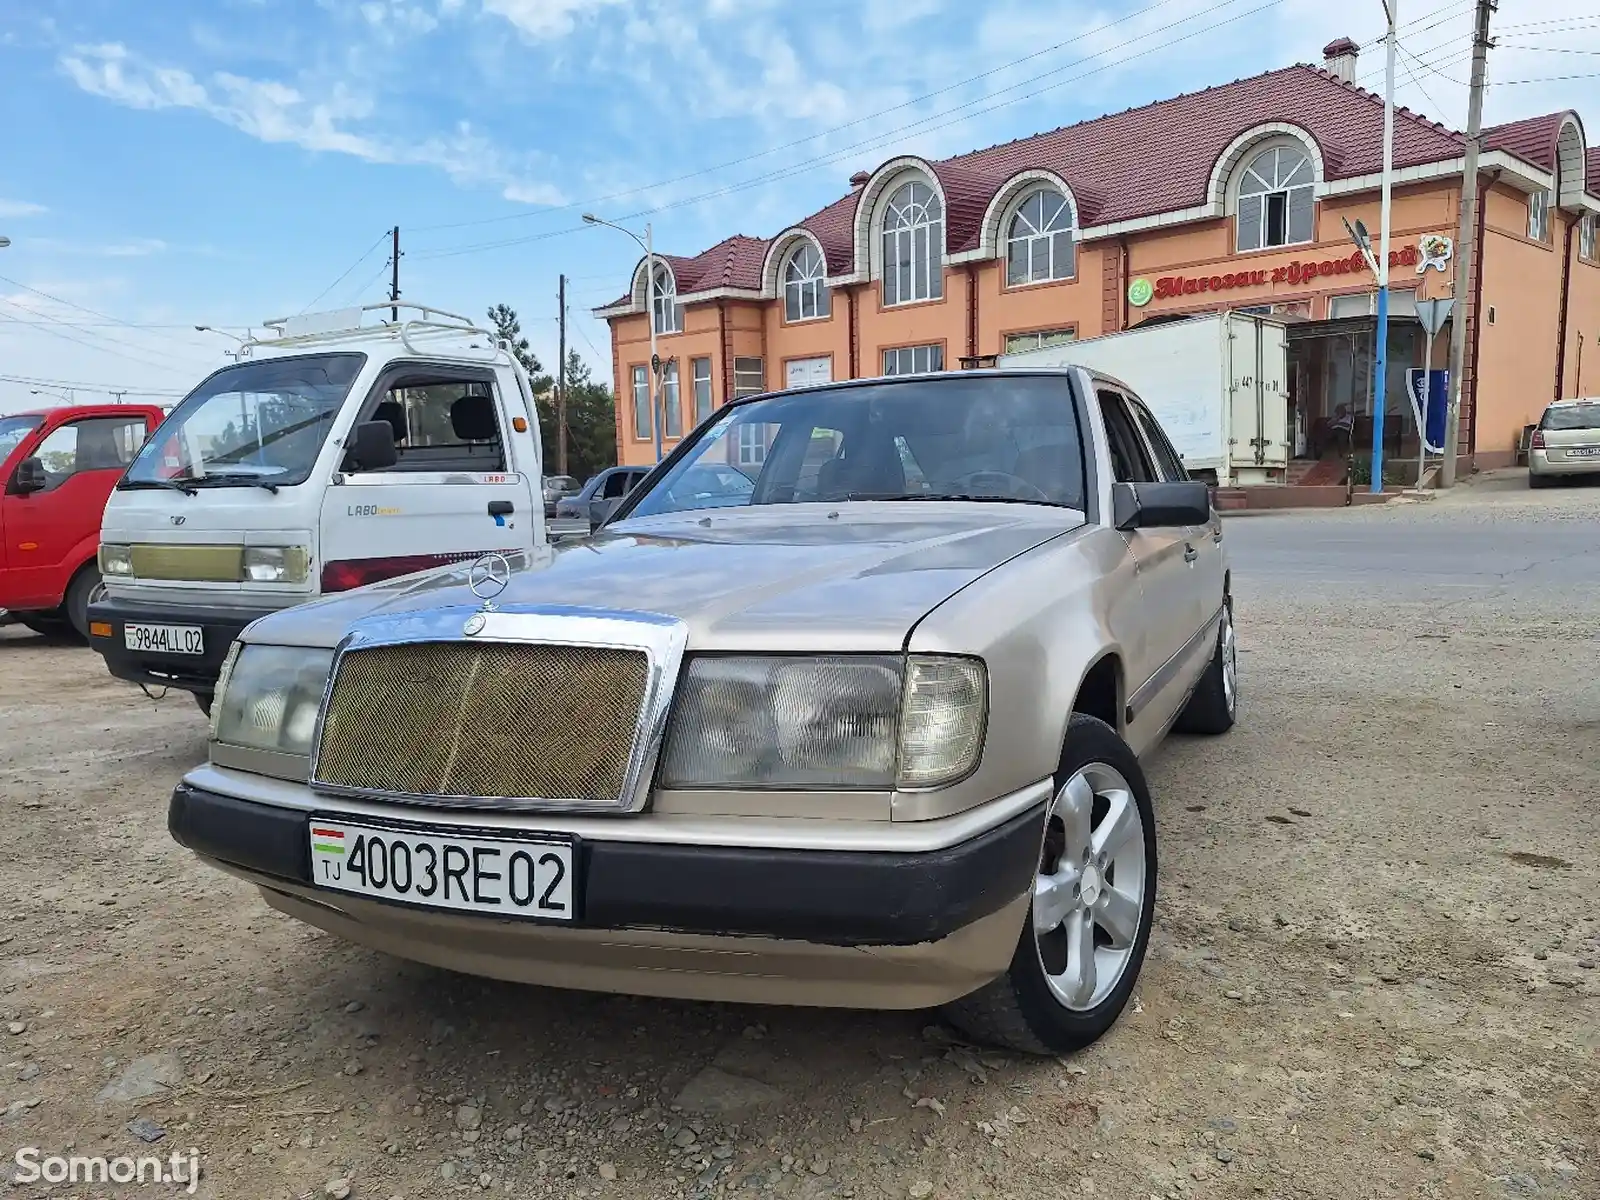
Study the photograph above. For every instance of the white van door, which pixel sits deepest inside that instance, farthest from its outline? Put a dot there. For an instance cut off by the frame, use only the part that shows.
(808, 372)
(454, 493)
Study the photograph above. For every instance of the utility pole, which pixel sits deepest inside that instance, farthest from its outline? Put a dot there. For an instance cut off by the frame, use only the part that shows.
(561, 380)
(117, 396)
(1381, 349)
(394, 274)
(1465, 233)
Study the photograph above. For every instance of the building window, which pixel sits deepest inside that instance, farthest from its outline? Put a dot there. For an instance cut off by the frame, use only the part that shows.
(1040, 247)
(1539, 216)
(913, 360)
(1039, 339)
(668, 312)
(671, 402)
(1275, 197)
(749, 377)
(641, 403)
(1586, 239)
(913, 245)
(701, 369)
(1402, 303)
(805, 296)
(751, 449)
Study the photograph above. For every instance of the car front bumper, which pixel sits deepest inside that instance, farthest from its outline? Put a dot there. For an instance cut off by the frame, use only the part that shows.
(879, 928)
(108, 621)
(1540, 462)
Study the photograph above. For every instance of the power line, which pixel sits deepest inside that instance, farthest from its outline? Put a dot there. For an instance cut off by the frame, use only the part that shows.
(930, 124)
(1543, 79)
(771, 150)
(80, 385)
(54, 332)
(1412, 74)
(377, 275)
(346, 273)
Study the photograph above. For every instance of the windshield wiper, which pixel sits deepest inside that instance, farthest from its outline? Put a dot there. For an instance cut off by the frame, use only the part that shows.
(238, 477)
(174, 485)
(952, 496)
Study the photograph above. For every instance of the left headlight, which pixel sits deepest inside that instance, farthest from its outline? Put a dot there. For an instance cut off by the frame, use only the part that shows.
(842, 721)
(276, 564)
(116, 560)
(268, 697)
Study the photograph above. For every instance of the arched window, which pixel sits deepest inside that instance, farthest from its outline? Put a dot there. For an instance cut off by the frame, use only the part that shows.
(913, 245)
(1039, 246)
(1275, 196)
(668, 312)
(804, 294)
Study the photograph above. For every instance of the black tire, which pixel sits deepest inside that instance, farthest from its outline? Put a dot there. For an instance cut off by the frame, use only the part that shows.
(50, 625)
(1540, 481)
(1214, 705)
(203, 699)
(1019, 1010)
(77, 604)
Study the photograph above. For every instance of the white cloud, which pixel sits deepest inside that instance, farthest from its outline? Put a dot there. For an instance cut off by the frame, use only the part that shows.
(543, 20)
(276, 112)
(16, 209)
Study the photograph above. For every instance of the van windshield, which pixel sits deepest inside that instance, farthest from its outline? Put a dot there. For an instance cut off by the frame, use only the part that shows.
(13, 430)
(254, 424)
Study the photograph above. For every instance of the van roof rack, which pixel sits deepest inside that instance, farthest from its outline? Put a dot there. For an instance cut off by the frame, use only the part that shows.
(346, 325)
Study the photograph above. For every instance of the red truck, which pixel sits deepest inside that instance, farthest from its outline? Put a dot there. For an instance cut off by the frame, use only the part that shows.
(58, 466)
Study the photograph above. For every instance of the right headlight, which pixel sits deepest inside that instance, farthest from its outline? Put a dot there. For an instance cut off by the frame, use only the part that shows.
(116, 560)
(826, 721)
(268, 697)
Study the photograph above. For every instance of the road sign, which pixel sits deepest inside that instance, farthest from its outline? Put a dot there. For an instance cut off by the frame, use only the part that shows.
(1433, 314)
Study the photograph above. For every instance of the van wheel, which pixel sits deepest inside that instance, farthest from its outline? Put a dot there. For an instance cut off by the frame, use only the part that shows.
(1214, 705)
(79, 591)
(1088, 926)
(47, 625)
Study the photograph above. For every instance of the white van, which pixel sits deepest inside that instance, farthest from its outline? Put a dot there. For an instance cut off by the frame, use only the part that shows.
(334, 452)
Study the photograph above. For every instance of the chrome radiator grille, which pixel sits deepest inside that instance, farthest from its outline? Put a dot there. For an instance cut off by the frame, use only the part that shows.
(484, 720)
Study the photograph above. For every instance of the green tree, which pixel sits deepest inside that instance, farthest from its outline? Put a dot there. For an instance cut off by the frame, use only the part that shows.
(591, 423)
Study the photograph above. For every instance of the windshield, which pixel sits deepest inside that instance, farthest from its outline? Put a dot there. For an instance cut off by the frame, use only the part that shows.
(254, 423)
(13, 430)
(1572, 416)
(996, 438)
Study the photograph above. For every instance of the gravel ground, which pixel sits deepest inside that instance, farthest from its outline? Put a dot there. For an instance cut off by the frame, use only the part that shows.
(1374, 970)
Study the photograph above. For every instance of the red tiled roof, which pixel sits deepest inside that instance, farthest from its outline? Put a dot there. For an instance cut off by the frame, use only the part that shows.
(1532, 139)
(1141, 162)
(1591, 169)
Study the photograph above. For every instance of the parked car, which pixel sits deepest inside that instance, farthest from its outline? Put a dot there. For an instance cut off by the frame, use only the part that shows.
(59, 466)
(338, 450)
(1565, 442)
(557, 488)
(600, 495)
(870, 738)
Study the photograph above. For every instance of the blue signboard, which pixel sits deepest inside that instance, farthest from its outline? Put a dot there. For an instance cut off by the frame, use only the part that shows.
(1438, 403)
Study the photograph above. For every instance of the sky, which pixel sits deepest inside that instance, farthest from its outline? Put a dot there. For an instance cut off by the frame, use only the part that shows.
(174, 164)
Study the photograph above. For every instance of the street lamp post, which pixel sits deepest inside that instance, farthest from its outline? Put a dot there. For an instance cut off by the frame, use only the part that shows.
(648, 246)
(65, 397)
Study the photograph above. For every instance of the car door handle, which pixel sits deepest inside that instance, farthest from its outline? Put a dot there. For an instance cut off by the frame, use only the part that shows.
(1216, 535)
(1190, 554)
(501, 508)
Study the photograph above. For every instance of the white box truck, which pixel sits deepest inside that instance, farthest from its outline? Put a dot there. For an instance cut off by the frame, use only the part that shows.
(1217, 382)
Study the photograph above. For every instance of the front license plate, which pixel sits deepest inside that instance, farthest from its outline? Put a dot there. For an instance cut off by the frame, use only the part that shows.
(1584, 452)
(437, 869)
(165, 639)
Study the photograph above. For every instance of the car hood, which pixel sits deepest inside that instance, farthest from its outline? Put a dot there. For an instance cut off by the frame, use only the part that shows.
(790, 577)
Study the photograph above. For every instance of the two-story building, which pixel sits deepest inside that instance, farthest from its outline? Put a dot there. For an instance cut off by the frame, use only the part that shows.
(1232, 197)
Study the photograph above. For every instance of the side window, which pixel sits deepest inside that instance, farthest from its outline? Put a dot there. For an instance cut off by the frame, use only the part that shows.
(443, 424)
(1168, 459)
(618, 483)
(96, 444)
(1130, 461)
(822, 449)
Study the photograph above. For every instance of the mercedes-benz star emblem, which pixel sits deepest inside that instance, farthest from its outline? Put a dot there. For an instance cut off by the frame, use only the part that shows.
(179, 520)
(489, 576)
(474, 625)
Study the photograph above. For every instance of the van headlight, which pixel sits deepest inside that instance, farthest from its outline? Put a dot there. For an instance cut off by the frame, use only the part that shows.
(116, 560)
(268, 697)
(276, 564)
(849, 721)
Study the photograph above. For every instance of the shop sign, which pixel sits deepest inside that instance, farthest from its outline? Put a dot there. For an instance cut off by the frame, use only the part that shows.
(1170, 286)
(1140, 293)
(1435, 250)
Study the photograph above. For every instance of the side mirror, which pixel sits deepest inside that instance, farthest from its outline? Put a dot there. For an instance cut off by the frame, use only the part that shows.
(1160, 505)
(372, 447)
(30, 477)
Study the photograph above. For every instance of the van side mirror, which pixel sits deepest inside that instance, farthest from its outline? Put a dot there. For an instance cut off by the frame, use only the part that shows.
(30, 477)
(1160, 505)
(372, 447)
